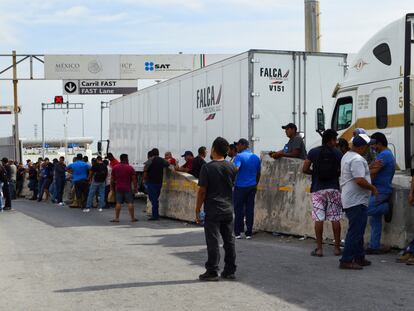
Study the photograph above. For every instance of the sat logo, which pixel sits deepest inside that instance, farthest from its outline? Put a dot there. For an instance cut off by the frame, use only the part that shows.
(151, 66)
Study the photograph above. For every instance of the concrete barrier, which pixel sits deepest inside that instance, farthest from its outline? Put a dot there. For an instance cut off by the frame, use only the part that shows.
(178, 196)
(283, 202)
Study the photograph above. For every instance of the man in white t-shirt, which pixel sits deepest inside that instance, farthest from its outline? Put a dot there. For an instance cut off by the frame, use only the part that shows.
(356, 189)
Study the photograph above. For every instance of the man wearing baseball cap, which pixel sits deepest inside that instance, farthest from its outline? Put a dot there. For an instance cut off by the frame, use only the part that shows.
(356, 189)
(295, 148)
(369, 156)
(188, 165)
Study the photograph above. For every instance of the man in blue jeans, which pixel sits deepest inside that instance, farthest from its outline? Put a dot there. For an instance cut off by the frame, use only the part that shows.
(248, 176)
(97, 179)
(80, 172)
(153, 177)
(60, 180)
(382, 172)
(356, 189)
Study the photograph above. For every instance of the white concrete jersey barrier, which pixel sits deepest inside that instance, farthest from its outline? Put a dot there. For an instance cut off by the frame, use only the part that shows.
(283, 202)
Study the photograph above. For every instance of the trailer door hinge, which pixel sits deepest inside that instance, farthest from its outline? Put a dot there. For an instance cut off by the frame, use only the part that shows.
(255, 94)
(255, 60)
(255, 116)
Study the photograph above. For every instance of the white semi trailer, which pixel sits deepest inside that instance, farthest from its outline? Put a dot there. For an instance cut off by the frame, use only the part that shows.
(250, 95)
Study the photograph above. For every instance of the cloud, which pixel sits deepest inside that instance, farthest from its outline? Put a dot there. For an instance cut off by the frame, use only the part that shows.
(180, 4)
(9, 35)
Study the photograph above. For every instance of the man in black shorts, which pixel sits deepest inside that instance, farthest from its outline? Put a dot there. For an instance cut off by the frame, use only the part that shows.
(216, 193)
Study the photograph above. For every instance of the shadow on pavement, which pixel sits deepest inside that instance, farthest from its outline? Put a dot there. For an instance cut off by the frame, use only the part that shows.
(124, 285)
(64, 217)
(286, 270)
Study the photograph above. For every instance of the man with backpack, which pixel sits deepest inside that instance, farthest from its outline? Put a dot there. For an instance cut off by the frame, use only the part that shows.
(324, 164)
(97, 179)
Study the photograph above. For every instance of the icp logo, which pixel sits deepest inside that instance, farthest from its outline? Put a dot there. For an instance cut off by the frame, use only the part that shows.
(149, 66)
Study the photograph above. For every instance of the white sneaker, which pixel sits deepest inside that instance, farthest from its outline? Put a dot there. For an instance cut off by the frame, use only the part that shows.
(238, 237)
(86, 210)
(248, 237)
(100, 210)
(61, 204)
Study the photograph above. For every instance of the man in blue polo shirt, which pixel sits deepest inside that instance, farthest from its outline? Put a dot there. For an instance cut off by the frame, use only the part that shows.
(80, 172)
(248, 175)
(382, 172)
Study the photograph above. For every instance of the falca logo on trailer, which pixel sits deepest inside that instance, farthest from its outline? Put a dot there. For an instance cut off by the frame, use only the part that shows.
(151, 66)
(276, 76)
(208, 102)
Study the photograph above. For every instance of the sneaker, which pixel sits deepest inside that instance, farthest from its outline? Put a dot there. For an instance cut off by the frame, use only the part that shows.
(238, 237)
(100, 210)
(86, 210)
(61, 204)
(208, 276)
(227, 276)
(410, 261)
(404, 258)
(248, 237)
(363, 262)
(350, 266)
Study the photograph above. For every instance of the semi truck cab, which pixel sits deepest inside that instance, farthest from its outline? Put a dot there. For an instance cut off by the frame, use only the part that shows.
(377, 93)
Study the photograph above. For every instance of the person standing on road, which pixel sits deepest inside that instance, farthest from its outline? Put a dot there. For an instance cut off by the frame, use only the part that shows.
(20, 178)
(107, 182)
(46, 178)
(356, 189)
(198, 162)
(3, 179)
(6, 187)
(13, 179)
(60, 180)
(382, 171)
(343, 145)
(112, 161)
(248, 175)
(232, 152)
(153, 178)
(295, 148)
(326, 197)
(33, 181)
(97, 178)
(216, 184)
(80, 171)
(122, 176)
(407, 256)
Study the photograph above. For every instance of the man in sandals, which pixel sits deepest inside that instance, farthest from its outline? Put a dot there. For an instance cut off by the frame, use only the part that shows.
(324, 164)
(356, 188)
(123, 175)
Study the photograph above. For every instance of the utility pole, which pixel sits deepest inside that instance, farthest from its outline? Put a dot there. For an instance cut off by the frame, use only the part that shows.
(16, 111)
(312, 30)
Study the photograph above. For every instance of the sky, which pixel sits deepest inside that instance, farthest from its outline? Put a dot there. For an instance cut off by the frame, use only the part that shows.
(163, 27)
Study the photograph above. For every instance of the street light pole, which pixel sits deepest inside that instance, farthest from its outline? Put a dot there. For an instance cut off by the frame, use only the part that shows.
(43, 130)
(104, 105)
(16, 110)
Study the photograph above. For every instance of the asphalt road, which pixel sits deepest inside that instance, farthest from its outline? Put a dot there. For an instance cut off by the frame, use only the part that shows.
(57, 258)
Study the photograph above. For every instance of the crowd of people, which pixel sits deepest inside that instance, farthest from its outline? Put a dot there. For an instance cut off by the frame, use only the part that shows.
(343, 181)
(353, 180)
